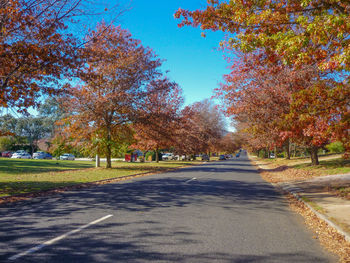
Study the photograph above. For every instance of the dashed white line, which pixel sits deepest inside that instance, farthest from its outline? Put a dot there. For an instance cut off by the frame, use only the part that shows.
(54, 240)
(194, 178)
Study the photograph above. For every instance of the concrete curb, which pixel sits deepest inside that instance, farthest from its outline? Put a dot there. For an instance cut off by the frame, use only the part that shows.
(319, 215)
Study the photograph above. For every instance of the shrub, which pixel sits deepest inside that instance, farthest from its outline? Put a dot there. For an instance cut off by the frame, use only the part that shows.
(335, 147)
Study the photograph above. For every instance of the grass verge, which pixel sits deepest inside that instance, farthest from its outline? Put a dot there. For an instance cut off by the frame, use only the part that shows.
(327, 167)
(30, 176)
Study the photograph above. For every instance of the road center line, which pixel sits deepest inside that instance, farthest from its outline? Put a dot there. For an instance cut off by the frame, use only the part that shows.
(194, 178)
(54, 240)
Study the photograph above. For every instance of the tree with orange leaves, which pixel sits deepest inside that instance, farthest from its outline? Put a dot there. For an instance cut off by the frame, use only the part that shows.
(38, 52)
(159, 116)
(113, 89)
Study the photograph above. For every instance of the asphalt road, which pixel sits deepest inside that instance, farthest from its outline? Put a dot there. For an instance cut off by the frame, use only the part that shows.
(216, 212)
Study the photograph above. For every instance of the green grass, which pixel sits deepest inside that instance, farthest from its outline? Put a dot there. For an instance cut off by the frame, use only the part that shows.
(313, 205)
(28, 176)
(327, 167)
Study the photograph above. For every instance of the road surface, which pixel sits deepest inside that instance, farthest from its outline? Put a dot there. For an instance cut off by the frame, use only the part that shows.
(216, 212)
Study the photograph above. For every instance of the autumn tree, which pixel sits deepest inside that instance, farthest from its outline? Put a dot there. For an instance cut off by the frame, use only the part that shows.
(202, 127)
(159, 116)
(230, 142)
(299, 34)
(114, 85)
(299, 31)
(38, 52)
(263, 98)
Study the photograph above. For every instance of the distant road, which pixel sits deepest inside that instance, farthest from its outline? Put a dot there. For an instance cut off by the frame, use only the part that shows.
(216, 212)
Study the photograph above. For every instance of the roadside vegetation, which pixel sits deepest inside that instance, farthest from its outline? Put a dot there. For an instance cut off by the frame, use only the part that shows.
(283, 170)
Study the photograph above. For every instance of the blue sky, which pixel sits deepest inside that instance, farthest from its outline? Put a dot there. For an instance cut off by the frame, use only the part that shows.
(191, 59)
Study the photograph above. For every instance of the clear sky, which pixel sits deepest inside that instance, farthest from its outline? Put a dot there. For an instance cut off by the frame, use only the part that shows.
(191, 59)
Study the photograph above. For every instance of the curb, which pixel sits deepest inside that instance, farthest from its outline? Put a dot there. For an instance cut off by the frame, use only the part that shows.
(297, 196)
(319, 215)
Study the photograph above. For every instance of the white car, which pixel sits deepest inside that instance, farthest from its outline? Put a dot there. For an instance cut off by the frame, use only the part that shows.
(67, 156)
(168, 156)
(21, 155)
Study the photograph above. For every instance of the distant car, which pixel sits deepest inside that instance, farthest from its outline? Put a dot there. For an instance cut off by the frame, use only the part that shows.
(168, 156)
(39, 155)
(42, 155)
(205, 157)
(21, 155)
(6, 154)
(48, 156)
(272, 155)
(67, 156)
(222, 157)
(237, 155)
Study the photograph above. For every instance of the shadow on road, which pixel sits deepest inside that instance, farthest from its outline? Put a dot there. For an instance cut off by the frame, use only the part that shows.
(141, 196)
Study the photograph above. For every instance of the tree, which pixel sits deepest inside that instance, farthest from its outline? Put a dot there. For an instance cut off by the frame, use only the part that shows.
(159, 116)
(263, 98)
(301, 32)
(33, 129)
(297, 33)
(38, 51)
(110, 97)
(202, 127)
(51, 111)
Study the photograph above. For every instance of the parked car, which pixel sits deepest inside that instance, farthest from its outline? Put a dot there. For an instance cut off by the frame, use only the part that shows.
(21, 155)
(42, 155)
(205, 157)
(67, 156)
(6, 154)
(222, 157)
(168, 156)
(48, 156)
(39, 155)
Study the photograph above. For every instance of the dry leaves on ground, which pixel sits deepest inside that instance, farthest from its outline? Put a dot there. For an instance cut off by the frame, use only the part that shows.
(327, 235)
(285, 174)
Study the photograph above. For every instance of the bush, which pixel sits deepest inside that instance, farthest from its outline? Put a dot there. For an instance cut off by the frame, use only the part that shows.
(336, 147)
(281, 155)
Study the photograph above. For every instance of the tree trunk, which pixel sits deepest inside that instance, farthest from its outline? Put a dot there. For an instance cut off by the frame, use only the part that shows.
(157, 155)
(314, 156)
(108, 157)
(97, 161)
(288, 149)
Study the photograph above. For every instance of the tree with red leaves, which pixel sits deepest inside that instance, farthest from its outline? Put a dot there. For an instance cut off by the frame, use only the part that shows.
(159, 116)
(202, 128)
(113, 90)
(38, 52)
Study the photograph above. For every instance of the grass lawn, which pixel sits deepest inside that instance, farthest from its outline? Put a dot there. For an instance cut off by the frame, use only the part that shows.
(327, 167)
(19, 176)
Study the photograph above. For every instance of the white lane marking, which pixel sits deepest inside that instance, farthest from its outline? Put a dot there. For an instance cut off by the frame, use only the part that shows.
(54, 240)
(194, 178)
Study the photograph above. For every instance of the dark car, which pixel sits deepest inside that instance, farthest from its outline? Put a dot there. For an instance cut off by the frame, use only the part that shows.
(6, 154)
(48, 156)
(222, 157)
(205, 157)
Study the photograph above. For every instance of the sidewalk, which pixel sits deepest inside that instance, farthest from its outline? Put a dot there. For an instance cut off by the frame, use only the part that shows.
(315, 192)
(317, 195)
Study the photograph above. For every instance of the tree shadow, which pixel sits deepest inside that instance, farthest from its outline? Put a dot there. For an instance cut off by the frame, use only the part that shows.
(14, 166)
(134, 237)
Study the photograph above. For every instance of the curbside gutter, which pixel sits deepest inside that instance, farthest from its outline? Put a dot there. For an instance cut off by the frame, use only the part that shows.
(318, 214)
(294, 191)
